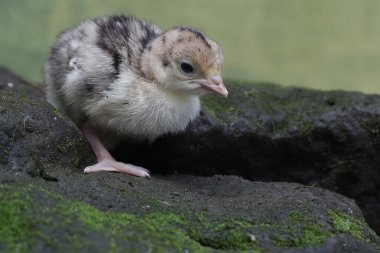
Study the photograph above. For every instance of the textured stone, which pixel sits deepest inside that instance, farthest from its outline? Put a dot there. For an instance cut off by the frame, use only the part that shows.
(37, 140)
(47, 204)
(266, 132)
(176, 214)
(11, 82)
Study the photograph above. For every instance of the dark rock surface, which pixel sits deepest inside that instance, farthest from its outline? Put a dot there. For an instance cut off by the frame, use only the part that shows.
(176, 214)
(11, 82)
(35, 137)
(266, 132)
(44, 196)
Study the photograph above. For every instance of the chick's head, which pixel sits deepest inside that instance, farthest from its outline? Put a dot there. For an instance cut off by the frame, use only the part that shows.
(184, 60)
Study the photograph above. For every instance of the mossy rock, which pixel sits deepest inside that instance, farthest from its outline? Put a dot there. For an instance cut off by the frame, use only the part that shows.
(263, 131)
(47, 204)
(177, 214)
(37, 140)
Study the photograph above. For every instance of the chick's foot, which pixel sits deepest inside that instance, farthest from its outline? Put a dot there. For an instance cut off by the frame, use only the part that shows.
(110, 165)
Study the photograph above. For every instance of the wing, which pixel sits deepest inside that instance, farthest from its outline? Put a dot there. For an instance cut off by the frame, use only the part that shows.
(77, 68)
(87, 59)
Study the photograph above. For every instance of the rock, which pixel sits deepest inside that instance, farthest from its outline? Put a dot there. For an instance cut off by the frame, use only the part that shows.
(266, 132)
(47, 204)
(10, 82)
(176, 214)
(36, 140)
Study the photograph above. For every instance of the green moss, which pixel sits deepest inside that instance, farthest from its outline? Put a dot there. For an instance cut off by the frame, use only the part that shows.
(16, 227)
(58, 113)
(343, 223)
(305, 236)
(216, 106)
(313, 234)
(32, 215)
(346, 224)
(298, 217)
(67, 145)
(94, 218)
(288, 107)
(282, 110)
(17, 100)
(230, 234)
(155, 231)
(302, 230)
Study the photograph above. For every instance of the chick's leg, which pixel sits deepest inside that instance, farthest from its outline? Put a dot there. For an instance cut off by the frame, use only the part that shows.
(105, 160)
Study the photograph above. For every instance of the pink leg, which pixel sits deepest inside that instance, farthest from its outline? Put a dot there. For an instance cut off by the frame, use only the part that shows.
(105, 160)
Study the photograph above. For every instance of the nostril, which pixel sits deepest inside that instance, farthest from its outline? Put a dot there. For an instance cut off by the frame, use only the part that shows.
(217, 80)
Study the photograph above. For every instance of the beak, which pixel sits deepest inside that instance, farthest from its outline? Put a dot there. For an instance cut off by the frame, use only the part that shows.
(216, 85)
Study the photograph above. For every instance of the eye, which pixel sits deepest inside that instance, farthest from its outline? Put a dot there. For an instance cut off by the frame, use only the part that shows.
(187, 68)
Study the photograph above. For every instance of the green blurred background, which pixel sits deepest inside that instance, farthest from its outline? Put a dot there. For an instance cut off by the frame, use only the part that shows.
(324, 44)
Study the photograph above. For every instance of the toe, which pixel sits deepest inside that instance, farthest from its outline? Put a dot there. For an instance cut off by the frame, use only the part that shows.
(108, 165)
(132, 170)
